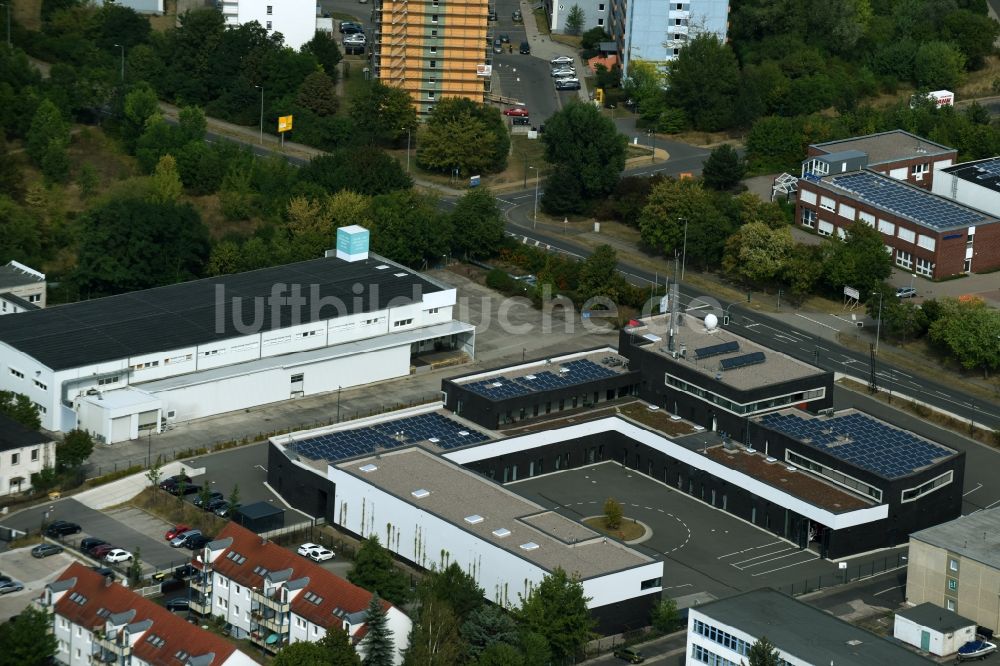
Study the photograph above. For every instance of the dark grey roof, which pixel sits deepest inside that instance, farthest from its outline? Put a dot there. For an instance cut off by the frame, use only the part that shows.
(842, 155)
(908, 201)
(18, 301)
(12, 276)
(183, 315)
(808, 633)
(888, 146)
(937, 618)
(13, 435)
(258, 510)
(985, 173)
(976, 536)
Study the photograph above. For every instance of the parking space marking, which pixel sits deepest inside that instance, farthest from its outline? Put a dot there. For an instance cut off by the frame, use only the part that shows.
(789, 566)
(773, 559)
(747, 550)
(751, 559)
(890, 589)
(969, 492)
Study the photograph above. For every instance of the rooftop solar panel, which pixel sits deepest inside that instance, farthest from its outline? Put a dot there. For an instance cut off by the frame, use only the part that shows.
(753, 358)
(912, 202)
(716, 350)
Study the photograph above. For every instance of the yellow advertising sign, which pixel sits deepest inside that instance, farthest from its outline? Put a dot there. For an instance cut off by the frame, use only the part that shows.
(284, 123)
(599, 96)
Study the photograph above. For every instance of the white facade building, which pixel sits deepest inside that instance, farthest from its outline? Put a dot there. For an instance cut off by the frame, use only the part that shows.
(124, 365)
(975, 184)
(933, 629)
(95, 620)
(294, 19)
(655, 31)
(263, 589)
(23, 452)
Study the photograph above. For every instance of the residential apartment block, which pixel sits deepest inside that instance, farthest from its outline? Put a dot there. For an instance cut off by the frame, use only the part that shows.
(23, 452)
(433, 49)
(595, 14)
(883, 181)
(97, 621)
(294, 19)
(956, 565)
(274, 597)
(655, 31)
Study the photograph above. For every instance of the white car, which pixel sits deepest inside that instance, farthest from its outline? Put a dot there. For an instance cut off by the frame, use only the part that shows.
(563, 73)
(307, 548)
(358, 38)
(320, 554)
(118, 555)
(561, 60)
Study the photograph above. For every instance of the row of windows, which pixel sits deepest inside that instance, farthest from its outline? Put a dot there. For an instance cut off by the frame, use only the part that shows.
(850, 213)
(839, 478)
(748, 408)
(726, 640)
(698, 653)
(15, 458)
(932, 485)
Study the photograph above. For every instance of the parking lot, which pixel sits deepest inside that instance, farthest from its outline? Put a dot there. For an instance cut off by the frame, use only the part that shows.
(704, 549)
(34, 573)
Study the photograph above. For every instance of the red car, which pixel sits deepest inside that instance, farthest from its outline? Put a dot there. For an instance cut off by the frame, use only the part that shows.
(176, 530)
(515, 111)
(100, 551)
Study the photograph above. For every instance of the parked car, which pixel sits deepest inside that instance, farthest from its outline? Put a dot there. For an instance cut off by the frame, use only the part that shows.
(175, 530)
(176, 604)
(97, 552)
(516, 111)
(563, 72)
(906, 292)
(516, 15)
(493, 14)
(197, 541)
(87, 544)
(567, 84)
(320, 554)
(107, 572)
(561, 60)
(46, 549)
(630, 655)
(116, 555)
(350, 27)
(11, 586)
(520, 120)
(215, 504)
(497, 46)
(179, 540)
(202, 499)
(61, 528)
(356, 38)
(525, 48)
(307, 547)
(224, 509)
(185, 571)
(170, 484)
(505, 38)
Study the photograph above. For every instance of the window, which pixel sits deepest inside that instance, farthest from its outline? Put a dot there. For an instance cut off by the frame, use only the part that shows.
(268, 25)
(41, 385)
(35, 298)
(724, 639)
(402, 322)
(430, 95)
(104, 381)
(953, 584)
(41, 409)
(808, 217)
(952, 564)
(600, 22)
(600, 7)
(950, 604)
(904, 259)
(847, 211)
(17, 373)
(906, 235)
(434, 33)
(925, 268)
(433, 311)
(434, 18)
(297, 378)
(867, 218)
(269, 10)
(824, 228)
(434, 49)
(833, 475)
(888, 228)
(433, 64)
(914, 493)
(926, 242)
(34, 455)
(826, 203)
(677, 52)
(15, 458)
(919, 170)
(807, 196)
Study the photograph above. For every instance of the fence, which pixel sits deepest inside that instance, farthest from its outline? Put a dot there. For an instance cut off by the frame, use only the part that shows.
(854, 572)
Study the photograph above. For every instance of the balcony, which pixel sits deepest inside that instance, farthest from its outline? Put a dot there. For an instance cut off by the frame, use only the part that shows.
(202, 586)
(269, 602)
(270, 641)
(108, 650)
(201, 604)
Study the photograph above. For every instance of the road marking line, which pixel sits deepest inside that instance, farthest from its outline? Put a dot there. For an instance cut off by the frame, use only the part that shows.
(751, 559)
(889, 589)
(832, 328)
(992, 505)
(969, 492)
(755, 564)
(788, 566)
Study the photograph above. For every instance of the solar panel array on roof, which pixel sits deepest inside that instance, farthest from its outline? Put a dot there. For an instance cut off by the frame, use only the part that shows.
(734, 362)
(569, 373)
(990, 167)
(716, 350)
(912, 202)
(343, 444)
(862, 441)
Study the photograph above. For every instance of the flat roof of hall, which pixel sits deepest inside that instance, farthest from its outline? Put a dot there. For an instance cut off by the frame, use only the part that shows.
(985, 173)
(888, 146)
(693, 336)
(806, 632)
(481, 507)
(975, 536)
(190, 313)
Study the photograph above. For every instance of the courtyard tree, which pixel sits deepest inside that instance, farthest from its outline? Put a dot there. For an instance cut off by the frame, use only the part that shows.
(613, 513)
(375, 570)
(27, 638)
(20, 408)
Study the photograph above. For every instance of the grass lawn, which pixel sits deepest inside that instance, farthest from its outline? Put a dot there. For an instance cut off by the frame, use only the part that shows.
(658, 419)
(173, 510)
(628, 531)
(542, 21)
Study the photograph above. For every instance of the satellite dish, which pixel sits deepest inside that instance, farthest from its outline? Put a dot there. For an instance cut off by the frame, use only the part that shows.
(711, 321)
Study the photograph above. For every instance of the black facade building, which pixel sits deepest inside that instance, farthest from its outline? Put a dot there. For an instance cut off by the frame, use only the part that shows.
(540, 387)
(717, 379)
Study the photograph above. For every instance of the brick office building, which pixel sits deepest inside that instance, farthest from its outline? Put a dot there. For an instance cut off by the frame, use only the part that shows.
(897, 154)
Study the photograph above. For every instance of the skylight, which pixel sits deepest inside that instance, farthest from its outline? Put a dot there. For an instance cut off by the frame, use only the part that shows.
(501, 532)
(420, 493)
(368, 468)
(474, 519)
(531, 545)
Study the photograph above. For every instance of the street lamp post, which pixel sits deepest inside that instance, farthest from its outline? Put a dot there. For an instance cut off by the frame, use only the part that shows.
(118, 45)
(261, 114)
(684, 251)
(878, 325)
(538, 177)
(407, 148)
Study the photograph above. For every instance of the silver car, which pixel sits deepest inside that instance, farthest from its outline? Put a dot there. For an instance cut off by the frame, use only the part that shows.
(563, 72)
(11, 586)
(561, 60)
(179, 540)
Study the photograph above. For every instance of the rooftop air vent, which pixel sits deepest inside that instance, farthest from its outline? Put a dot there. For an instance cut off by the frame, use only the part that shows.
(529, 377)
(400, 274)
(381, 267)
(531, 545)
(474, 519)
(420, 493)
(368, 468)
(501, 532)
(790, 468)
(854, 642)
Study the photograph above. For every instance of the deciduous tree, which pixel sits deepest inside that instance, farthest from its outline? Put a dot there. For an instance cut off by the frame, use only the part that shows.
(47, 128)
(970, 332)
(435, 638)
(859, 260)
(756, 253)
(407, 227)
(665, 616)
(613, 513)
(383, 113)
(477, 224)
(324, 48)
(575, 20)
(704, 81)
(20, 408)
(365, 170)
(938, 65)
(464, 134)
(318, 94)
(375, 570)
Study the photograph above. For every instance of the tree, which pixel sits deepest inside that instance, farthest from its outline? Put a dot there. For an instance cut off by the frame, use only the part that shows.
(598, 275)
(165, 182)
(234, 496)
(383, 113)
(464, 134)
(135, 569)
(557, 610)
(455, 587)
(591, 39)
(11, 173)
(407, 227)
(192, 124)
(375, 570)
(613, 513)
(204, 495)
(87, 180)
(968, 330)
(775, 144)
(763, 653)
(27, 638)
(575, 20)
(141, 104)
(859, 260)
(487, 626)
(47, 129)
(665, 616)
(318, 93)
(588, 155)
(704, 82)
(55, 162)
(128, 243)
(20, 408)
(671, 203)
(477, 225)
(803, 270)
(756, 253)
(724, 168)
(154, 473)
(973, 33)
(500, 654)
(365, 170)
(434, 638)
(377, 643)
(334, 649)
(938, 65)
(324, 48)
